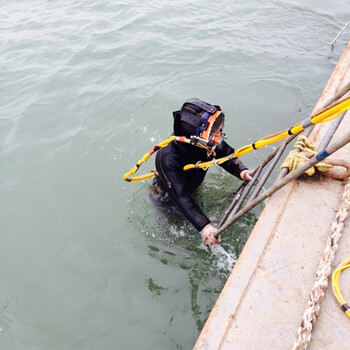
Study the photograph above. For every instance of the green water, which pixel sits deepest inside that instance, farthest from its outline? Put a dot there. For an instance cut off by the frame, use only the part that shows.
(87, 87)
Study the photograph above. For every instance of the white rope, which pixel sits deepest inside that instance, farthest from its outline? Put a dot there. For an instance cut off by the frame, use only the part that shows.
(336, 38)
(303, 337)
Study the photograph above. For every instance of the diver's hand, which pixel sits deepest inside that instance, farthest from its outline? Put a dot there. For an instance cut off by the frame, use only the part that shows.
(246, 174)
(208, 237)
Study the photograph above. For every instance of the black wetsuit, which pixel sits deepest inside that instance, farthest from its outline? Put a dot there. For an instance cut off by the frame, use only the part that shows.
(180, 184)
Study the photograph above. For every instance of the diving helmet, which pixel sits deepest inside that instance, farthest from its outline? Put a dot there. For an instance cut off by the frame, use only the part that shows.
(200, 121)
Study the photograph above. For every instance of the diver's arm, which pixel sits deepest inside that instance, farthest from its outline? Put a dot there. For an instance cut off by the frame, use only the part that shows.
(233, 166)
(169, 166)
(191, 210)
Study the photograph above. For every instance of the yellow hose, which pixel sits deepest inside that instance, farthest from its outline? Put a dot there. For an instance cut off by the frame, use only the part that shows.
(335, 286)
(127, 176)
(325, 115)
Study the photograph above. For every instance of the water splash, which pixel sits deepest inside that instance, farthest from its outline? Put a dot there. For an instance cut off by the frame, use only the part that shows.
(223, 259)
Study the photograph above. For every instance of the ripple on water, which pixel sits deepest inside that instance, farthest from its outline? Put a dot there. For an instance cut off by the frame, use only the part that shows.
(86, 89)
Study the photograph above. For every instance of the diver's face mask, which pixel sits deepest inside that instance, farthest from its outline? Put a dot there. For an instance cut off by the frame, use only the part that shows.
(209, 132)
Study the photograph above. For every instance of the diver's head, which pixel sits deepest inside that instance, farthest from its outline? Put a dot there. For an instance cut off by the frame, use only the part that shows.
(200, 120)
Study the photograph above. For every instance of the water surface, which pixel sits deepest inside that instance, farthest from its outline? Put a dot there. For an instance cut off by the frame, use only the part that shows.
(86, 262)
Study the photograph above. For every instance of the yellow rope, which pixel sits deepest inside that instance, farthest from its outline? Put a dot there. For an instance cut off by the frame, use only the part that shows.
(127, 176)
(295, 159)
(325, 115)
(335, 286)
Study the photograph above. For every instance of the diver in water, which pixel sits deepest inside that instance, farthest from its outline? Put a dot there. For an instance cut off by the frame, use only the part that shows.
(203, 123)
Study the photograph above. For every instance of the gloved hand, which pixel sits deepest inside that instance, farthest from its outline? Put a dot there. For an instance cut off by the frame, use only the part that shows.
(208, 237)
(246, 174)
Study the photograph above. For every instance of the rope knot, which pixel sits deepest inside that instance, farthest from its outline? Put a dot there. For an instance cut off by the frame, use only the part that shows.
(296, 159)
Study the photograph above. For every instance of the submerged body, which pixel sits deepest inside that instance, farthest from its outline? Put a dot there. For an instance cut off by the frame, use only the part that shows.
(180, 184)
(204, 123)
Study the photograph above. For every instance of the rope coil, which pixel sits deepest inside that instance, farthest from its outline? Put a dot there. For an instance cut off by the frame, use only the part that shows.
(296, 159)
(345, 264)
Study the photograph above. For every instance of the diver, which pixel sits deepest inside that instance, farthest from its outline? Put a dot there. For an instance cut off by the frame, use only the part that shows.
(203, 123)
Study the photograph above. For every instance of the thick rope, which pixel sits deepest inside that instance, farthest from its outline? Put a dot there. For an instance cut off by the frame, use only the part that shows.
(308, 149)
(312, 311)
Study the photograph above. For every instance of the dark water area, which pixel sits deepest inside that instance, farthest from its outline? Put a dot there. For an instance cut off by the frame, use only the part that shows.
(86, 260)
